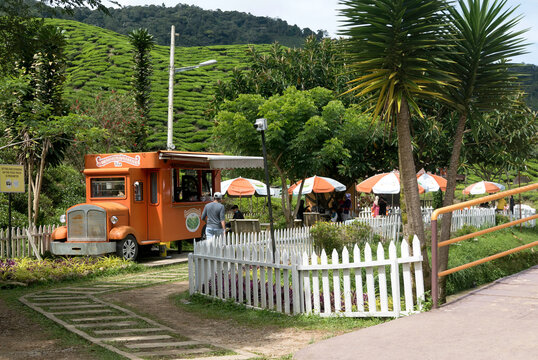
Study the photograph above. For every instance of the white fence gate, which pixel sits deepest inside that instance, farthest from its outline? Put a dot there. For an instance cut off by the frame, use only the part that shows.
(20, 244)
(356, 287)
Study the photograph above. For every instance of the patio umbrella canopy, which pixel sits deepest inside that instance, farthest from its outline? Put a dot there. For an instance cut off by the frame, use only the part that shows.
(483, 187)
(243, 187)
(386, 183)
(317, 184)
(431, 182)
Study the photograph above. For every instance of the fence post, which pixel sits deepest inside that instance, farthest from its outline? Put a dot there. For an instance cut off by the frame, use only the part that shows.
(192, 275)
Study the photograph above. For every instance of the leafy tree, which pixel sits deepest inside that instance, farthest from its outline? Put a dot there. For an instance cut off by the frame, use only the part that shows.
(309, 133)
(317, 63)
(484, 39)
(142, 41)
(397, 48)
(504, 142)
(111, 123)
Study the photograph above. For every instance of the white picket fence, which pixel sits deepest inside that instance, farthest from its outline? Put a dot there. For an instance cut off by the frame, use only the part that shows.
(357, 287)
(20, 245)
(475, 216)
(524, 214)
(297, 240)
(388, 227)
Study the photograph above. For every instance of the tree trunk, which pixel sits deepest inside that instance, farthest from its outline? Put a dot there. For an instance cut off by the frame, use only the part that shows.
(286, 204)
(39, 180)
(409, 186)
(298, 199)
(446, 221)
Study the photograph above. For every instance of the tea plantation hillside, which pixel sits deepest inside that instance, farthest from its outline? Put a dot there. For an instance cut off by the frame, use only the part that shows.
(101, 60)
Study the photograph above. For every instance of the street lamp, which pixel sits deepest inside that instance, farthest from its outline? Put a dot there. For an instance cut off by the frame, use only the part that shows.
(261, 126)
(170, 137)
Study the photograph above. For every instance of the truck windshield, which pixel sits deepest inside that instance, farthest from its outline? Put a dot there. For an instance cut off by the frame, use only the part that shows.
(108, 188)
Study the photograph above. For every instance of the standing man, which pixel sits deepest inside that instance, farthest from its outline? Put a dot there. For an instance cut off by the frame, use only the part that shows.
(213, 215)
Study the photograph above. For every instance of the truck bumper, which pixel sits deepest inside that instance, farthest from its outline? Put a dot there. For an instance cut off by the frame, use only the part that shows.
(66, 248)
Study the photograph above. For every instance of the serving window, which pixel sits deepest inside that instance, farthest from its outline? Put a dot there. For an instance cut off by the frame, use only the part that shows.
(110, 187)
(192, 185)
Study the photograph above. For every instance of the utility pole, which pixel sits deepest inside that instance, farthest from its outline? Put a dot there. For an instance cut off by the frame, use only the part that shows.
(261, 126)
(170, 137)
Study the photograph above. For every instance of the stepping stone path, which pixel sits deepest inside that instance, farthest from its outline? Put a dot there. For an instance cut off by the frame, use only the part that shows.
(81, 311)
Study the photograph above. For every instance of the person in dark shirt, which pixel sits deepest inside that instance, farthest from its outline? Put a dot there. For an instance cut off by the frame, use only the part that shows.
(300, 211)
(382, 206)
(237, 213)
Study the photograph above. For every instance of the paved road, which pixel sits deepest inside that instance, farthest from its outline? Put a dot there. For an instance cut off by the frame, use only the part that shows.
(499, 321)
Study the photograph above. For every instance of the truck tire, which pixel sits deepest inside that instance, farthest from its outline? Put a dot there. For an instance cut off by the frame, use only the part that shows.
(127, 248)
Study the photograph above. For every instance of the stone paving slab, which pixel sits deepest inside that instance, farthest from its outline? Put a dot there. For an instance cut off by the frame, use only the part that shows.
(82, 312)
(76, 306)
(162, 344)
(100, 318)
(108, 324)
(63, 303)
(136, 338)
(126, 331)
(55, 297)
(173, 352)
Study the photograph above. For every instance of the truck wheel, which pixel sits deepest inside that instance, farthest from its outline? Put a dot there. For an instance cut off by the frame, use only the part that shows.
(127, 248)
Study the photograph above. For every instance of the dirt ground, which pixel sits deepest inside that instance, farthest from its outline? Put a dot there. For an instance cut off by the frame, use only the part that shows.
(21, 338)
(269, 341)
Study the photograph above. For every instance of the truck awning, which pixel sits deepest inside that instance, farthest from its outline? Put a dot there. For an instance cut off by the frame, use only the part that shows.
(215, 161)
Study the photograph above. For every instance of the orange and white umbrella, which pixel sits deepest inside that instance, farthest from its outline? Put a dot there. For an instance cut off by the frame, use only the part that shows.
(386, 183)
(243, 187)
(483, 187)
(317, 184)
(431, 182)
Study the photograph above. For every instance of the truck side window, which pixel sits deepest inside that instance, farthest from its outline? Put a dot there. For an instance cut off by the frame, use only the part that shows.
(207, 181)
(189, 186)
(153, 177)
(138, 191)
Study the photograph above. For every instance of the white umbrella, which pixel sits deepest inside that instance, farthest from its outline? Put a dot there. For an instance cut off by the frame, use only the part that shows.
(431, 182)
(386, 183)
(317, 184)
(483, 187)
(243, 187)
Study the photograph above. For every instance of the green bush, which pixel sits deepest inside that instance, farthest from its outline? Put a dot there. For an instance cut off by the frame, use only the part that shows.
(501, 219)
(329, 236)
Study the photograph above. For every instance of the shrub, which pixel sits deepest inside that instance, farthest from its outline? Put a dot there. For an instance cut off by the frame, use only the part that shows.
(329, 236)
(30, 271)
(501, 219)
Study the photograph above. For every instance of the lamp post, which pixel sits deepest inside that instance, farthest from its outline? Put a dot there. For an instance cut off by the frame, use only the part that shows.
(170, 133)
(261, 126)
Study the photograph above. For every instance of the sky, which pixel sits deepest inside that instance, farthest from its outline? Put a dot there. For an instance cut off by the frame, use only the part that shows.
(323, 15)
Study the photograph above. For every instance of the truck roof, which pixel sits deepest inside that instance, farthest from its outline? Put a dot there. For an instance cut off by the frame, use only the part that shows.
(168, 158)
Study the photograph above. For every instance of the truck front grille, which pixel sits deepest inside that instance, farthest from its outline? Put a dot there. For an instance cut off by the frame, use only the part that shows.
(86, 223)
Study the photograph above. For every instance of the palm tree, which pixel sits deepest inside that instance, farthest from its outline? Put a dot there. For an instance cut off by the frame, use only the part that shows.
(484, 39)
(143, 42)
(398, 47)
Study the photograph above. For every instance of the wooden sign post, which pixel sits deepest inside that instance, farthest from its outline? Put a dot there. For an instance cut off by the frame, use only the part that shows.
(11, 181)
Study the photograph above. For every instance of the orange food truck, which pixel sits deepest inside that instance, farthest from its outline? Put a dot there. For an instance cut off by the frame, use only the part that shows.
(137, 199)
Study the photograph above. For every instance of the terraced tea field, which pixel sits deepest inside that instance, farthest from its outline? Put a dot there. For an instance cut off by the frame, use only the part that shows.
(101, 60)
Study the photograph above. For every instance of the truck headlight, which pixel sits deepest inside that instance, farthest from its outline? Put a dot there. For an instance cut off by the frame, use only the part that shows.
(62, 218)
(114, 219)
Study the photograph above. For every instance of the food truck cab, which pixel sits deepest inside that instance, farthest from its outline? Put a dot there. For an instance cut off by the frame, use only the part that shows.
(136, 199)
